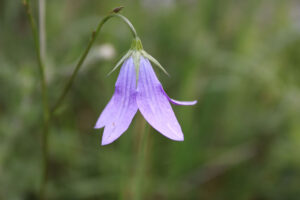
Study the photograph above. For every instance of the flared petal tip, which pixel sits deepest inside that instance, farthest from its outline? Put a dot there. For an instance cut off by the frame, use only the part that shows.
(179, 139)
(182, 103)
(191, 103)
(176, 136)
(98, 126)
(176, 102)
(108, 140)
(105, 142)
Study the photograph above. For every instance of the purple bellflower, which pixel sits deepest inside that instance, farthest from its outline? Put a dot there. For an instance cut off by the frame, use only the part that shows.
(137, 87)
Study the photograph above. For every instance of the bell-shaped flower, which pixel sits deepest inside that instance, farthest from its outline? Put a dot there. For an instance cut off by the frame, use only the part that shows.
(137, 88)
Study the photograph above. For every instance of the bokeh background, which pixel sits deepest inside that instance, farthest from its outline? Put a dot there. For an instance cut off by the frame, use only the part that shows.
(239, 58)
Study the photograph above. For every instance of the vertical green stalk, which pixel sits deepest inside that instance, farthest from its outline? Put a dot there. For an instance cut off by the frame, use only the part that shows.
(133, 172)
(42, 28)
(44, 99)
(138, 178)
(42, 53)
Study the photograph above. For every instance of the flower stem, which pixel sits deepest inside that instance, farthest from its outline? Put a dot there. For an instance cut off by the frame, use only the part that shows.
(46, 114)
(132, 29)
(139, 177)
(142, 154)
(85, 53)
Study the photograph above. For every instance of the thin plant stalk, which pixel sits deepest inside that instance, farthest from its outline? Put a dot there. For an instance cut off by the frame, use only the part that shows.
(141, 154)
(42, 28)
(44, 90)
(45, 143)
(139, 177)
(40, 47)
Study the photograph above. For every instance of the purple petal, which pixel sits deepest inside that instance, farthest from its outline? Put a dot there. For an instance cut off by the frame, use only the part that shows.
(176, 102)
(119, 112)
(154, 104)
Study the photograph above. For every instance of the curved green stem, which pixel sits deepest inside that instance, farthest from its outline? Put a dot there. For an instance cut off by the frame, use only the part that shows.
(85, 53)
(132, 29)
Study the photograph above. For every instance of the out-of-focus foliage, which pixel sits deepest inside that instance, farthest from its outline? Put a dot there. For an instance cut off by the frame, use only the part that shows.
(239, 59)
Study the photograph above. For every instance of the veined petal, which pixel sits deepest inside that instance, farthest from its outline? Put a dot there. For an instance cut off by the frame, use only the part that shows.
(119, 112)
(176, 102)
(154, 104)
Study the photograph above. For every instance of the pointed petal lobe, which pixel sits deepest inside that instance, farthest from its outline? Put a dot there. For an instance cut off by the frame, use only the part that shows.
(176, 102)
(119, 112)
(154, 104)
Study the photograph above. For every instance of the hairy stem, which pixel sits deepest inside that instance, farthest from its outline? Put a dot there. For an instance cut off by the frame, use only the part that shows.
(46, 115)
(85, 53)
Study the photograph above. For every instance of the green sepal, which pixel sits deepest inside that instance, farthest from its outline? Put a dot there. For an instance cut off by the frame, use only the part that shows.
(154, 61)
(136, 44)
(127, 55)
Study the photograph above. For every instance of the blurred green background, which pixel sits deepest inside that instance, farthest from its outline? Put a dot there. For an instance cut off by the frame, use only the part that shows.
(240, 60)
